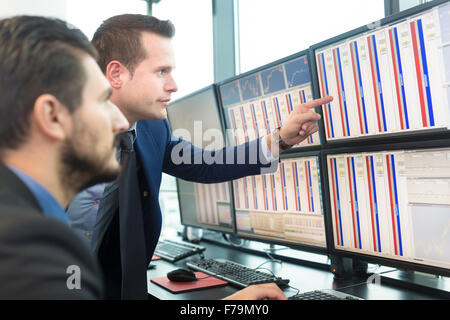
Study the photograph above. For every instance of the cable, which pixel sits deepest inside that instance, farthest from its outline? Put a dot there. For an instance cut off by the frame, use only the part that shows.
(298, 290)
(272, 258)
(267, 261)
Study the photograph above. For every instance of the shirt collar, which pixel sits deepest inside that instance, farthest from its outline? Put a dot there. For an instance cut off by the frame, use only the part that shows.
(49, 205)
(133, 130)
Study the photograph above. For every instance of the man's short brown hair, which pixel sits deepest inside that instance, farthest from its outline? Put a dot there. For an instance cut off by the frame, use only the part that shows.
(37, 56)
(119, 38)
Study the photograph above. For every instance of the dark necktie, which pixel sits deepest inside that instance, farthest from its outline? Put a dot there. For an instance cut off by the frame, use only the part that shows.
(132, 240)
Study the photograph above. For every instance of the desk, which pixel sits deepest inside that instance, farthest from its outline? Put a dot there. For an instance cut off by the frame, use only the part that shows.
(305, 278)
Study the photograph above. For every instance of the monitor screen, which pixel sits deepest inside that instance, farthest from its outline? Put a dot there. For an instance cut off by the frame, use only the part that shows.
(390, 79)
(284, 207)
(260, 101)
(393, 205)
(196, 118)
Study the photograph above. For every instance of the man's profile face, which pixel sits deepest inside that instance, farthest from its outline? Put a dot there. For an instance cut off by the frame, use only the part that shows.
(89, 154)
(146, 94)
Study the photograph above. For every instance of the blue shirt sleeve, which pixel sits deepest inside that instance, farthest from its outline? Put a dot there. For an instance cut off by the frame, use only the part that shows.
(82, 211)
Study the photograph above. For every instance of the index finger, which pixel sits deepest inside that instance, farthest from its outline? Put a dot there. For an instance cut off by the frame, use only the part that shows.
(318, 102)
(315, 103)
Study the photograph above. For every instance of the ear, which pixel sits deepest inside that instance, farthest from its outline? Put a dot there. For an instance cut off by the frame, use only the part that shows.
(51, 117)
(116, 73)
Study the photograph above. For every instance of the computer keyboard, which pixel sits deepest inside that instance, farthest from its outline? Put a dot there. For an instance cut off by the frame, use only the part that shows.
(234, 273)
(175, 250)
(323, 295)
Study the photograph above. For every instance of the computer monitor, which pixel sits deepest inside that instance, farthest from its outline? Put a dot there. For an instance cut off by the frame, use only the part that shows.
(259, 101)
(388, 78)
(392, 207)
(284, 207)
(387, 201)
(196, 118)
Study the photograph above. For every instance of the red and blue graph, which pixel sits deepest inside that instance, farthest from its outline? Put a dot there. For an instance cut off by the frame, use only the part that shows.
(255, 193)
(354, 202)
(309, 187)
(265, 116)
(283, 187)
(324, 85)
(244, 122)
(298, 203)
(245, 192)
(421, 64)
(277, 112)
(359, 90)
(398, 78)
(274, 192)
(373, 201)
(376, 81)
(341, 92)
(266, 200)
(394, 207)
(336, 202)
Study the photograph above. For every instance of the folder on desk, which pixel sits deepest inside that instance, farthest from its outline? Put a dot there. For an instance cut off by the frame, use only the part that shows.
(204, 281)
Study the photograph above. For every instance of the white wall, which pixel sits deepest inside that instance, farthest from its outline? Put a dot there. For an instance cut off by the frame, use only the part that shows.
(48, 8)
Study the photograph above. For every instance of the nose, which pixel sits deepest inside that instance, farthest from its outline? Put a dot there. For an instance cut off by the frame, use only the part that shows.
(119, 122)
(171, 84)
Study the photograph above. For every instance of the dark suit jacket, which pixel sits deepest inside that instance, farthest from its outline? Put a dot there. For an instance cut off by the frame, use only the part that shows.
(159, 151)
(155, 145)
(35, 251)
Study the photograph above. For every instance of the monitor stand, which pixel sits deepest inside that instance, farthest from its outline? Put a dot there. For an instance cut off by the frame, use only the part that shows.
(428, 283)
(269, 252)
(346, 268)
(192, 234)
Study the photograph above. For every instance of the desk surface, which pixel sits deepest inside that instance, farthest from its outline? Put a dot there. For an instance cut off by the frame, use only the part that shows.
(304, 278)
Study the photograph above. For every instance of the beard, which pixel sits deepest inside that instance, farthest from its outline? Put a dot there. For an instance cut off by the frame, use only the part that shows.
(80, 170)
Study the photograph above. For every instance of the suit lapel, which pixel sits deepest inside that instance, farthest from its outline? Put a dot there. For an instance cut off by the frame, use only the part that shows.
(150, 153)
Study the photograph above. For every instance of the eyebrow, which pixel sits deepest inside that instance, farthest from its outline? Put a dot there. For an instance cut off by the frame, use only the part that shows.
(165, 67)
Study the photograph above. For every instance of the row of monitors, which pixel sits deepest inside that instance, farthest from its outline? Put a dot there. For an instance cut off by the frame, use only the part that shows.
(391, 205)
(386, 206)
(387, 80)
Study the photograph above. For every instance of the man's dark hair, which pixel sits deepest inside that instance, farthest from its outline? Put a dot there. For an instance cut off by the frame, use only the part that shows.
(119, 38)
(37, 56)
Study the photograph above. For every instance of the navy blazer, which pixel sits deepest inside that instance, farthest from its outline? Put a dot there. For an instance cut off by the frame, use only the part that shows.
(159, 151)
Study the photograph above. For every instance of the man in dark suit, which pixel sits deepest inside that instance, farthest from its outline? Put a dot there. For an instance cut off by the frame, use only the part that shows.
(135, 54)
(54, 111)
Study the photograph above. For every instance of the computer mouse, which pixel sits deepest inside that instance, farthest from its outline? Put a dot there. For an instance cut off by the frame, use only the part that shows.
(181, 275)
